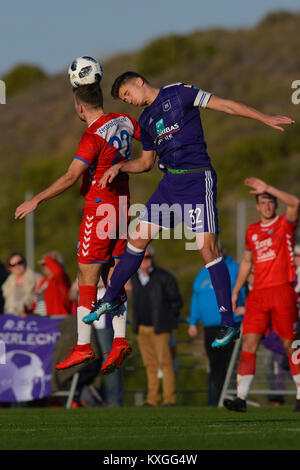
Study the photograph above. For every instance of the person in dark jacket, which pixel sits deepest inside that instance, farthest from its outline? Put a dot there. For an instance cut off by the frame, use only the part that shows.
(156, 306)
(3, 276)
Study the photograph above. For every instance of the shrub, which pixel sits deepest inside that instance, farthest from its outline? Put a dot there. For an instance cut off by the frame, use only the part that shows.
(21, 77)
(166, 53)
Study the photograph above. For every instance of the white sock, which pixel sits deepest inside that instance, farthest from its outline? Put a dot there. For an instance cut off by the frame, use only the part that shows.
(84, 330)
(243, 385)
(119, 322)
(296, 379)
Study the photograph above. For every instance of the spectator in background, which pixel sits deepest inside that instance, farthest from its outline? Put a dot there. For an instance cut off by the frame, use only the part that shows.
(297, 264)
(3, 277)
(156, 302)
(204, 309)
(18, 289)
(52, 293)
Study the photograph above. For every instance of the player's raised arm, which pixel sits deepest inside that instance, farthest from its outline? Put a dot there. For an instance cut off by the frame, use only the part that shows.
(75, 170)
(239, 109)
(290, 200)
(139, 165)
(244, 271)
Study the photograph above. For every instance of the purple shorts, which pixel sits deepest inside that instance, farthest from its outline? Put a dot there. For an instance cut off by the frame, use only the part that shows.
(188, 198)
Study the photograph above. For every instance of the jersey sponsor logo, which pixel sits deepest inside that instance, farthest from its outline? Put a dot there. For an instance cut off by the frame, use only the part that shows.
(160, 126)
(162, 130)
(112, 123)
(264, 243)
(264, 250)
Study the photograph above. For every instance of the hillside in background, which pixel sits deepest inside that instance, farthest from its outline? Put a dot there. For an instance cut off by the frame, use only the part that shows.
(39, 132)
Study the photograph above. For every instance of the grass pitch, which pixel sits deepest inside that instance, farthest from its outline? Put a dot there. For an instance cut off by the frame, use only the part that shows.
(129, 428)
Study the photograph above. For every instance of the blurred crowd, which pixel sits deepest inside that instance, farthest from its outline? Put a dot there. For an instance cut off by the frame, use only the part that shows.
(25, 292)
(156, 305)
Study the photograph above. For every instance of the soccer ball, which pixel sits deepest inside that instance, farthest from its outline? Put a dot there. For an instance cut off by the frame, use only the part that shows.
(85, 71)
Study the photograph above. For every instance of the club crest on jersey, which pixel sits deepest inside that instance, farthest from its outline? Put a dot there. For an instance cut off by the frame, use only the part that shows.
(166, 105)
(271, 231)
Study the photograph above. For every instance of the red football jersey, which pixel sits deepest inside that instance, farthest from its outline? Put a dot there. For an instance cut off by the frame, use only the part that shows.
(272, 249)
(106, 141)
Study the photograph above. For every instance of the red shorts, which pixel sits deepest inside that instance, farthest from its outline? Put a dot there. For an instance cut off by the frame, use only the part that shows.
(102, 233)
(273, 307)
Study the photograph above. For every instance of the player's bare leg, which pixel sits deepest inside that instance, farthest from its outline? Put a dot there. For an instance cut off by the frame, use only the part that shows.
(217, 268)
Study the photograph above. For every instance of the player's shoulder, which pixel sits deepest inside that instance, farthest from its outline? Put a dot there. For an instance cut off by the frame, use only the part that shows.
(172, 85)
(87, 135)
(120, 117)
(179, 86)
(117, 115)
(255, 226)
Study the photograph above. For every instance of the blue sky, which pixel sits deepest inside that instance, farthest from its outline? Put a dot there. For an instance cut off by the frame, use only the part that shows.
(52, 34)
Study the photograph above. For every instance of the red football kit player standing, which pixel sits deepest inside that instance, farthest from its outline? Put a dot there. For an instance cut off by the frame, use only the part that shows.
(103, 231)
(272, 302)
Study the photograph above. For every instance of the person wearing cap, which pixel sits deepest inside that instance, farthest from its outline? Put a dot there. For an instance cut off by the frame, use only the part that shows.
(272, 302)
(297, 264)
(52, 293)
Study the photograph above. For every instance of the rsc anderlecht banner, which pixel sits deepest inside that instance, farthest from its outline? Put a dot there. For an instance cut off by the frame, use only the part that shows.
(26, 351)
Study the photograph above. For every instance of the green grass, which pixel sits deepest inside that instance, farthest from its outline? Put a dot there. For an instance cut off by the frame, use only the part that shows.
(129, 428)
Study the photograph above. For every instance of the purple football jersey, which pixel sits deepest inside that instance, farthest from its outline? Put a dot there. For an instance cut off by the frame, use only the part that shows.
(172, 126)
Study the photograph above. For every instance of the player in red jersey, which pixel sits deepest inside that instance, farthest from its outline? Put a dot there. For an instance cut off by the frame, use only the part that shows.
(272, 300)
(103, 231)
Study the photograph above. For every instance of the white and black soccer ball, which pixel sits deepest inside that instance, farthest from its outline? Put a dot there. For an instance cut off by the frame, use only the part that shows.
(85, 70)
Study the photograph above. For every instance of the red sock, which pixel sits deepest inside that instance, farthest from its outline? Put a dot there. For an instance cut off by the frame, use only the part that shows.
(247, 363)
(87, 296)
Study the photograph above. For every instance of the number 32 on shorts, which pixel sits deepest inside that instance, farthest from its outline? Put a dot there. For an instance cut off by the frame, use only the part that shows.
(195, 215)
(196, 220)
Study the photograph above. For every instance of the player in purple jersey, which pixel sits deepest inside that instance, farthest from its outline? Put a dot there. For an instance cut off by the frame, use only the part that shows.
(171, 129)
